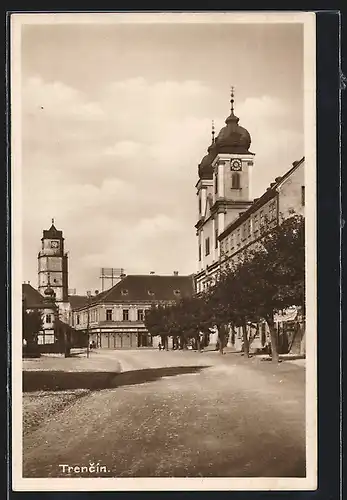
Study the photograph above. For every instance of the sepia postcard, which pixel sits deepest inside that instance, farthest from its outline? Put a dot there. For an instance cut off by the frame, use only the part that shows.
(163, 238)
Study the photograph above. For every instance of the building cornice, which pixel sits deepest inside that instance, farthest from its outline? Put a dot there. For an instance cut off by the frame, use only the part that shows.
(223, 204)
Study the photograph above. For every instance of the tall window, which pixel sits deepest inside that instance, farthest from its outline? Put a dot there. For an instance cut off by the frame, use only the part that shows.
(125, 314)
(262, 219)
(216, 238)
(256, 223)
(199, 205)
(108, 314)
(199, 252)
(231, 242)
(77, 319)
(222, 247)
(249, 228)
(48, 318)
(272, 211)
(207, 246)
(238, 237)
(235, 180)
(140, 315)
(216, 183)
(303, 196)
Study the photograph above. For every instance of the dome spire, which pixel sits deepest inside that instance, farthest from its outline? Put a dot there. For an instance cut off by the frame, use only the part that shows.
(53, 220)
(232, 100)
(232, 118)
(213, 132)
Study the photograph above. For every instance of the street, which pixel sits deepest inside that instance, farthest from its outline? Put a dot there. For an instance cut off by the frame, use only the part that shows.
(162, 414)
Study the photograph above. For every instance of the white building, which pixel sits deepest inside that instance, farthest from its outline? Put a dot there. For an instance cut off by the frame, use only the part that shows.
(224, 190)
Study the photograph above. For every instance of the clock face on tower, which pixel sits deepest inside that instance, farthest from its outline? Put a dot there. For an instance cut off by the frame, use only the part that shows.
(236, 165)
(54, 244)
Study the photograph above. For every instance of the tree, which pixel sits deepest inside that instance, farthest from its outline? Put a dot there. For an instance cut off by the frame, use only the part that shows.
(278, 271)
(32, 325)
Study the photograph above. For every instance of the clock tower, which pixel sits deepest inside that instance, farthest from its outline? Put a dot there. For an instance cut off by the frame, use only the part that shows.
(223, 191)
(53, 264)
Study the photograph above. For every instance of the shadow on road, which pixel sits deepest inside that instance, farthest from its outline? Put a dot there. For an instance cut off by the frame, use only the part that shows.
(61, 381)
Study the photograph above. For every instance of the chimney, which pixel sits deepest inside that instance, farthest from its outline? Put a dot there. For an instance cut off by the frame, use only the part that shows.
(278, 179)
(272, 184)
(152, 272)
(295, 163)
(175, 273)
(96, 292)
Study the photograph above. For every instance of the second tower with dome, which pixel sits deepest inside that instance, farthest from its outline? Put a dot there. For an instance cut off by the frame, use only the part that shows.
(224, 190)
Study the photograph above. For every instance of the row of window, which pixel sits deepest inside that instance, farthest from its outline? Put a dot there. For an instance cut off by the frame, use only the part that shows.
(140, 315)
(253, 226)
(109, 315)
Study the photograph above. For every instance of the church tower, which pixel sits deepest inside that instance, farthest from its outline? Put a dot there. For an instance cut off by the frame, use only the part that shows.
(53, 264)
(224, 190)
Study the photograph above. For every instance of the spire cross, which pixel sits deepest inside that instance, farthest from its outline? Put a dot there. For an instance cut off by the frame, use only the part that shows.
(52, 221)
(213, 132)
(232, 99)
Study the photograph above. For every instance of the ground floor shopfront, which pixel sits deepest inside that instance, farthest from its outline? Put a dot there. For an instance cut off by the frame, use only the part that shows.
(118, 338)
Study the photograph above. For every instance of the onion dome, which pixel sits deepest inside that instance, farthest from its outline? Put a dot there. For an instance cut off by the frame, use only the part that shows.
(233, 138)
(49, 292)
(205, 166)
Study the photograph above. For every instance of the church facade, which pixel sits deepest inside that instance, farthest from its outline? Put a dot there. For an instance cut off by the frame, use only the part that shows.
(224, 190)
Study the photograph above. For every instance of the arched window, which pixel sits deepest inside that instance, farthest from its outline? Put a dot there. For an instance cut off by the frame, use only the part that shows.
(235, 180)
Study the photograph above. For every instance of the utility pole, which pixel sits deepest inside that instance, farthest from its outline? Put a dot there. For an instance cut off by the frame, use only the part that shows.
(88, 320)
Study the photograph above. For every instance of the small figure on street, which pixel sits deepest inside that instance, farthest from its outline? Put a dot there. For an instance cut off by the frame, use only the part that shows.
(159, 346)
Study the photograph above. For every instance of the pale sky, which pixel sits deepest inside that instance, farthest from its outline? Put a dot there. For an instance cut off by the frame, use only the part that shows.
(116, 118)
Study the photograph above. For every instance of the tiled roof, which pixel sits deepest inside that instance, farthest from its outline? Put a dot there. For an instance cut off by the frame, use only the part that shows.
(144, 288)
(32, 297)
(77, 301)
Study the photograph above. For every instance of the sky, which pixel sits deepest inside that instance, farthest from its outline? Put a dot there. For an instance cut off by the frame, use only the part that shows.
(116, 119)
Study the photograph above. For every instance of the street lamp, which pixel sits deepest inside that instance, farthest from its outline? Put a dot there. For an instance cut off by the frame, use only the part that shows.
(89, 294)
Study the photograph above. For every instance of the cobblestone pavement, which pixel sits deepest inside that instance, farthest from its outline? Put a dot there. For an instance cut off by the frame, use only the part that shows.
(182, 414)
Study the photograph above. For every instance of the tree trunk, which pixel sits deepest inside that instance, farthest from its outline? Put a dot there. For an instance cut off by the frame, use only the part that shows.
(233, 335)
(66, 345)
(274, 340)
(198, 343)
(221, 335)
(245, 340)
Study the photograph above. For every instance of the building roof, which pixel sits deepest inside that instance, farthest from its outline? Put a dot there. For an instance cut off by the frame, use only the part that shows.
(259, 202)
(33, 298)
(147, 288)
(77, 301)
(232, 139)
(52, 232)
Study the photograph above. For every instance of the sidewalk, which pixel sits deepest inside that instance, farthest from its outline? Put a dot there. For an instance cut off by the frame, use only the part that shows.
(295, 359)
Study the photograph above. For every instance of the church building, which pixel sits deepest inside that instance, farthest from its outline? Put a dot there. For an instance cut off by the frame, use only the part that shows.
(223, 192)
